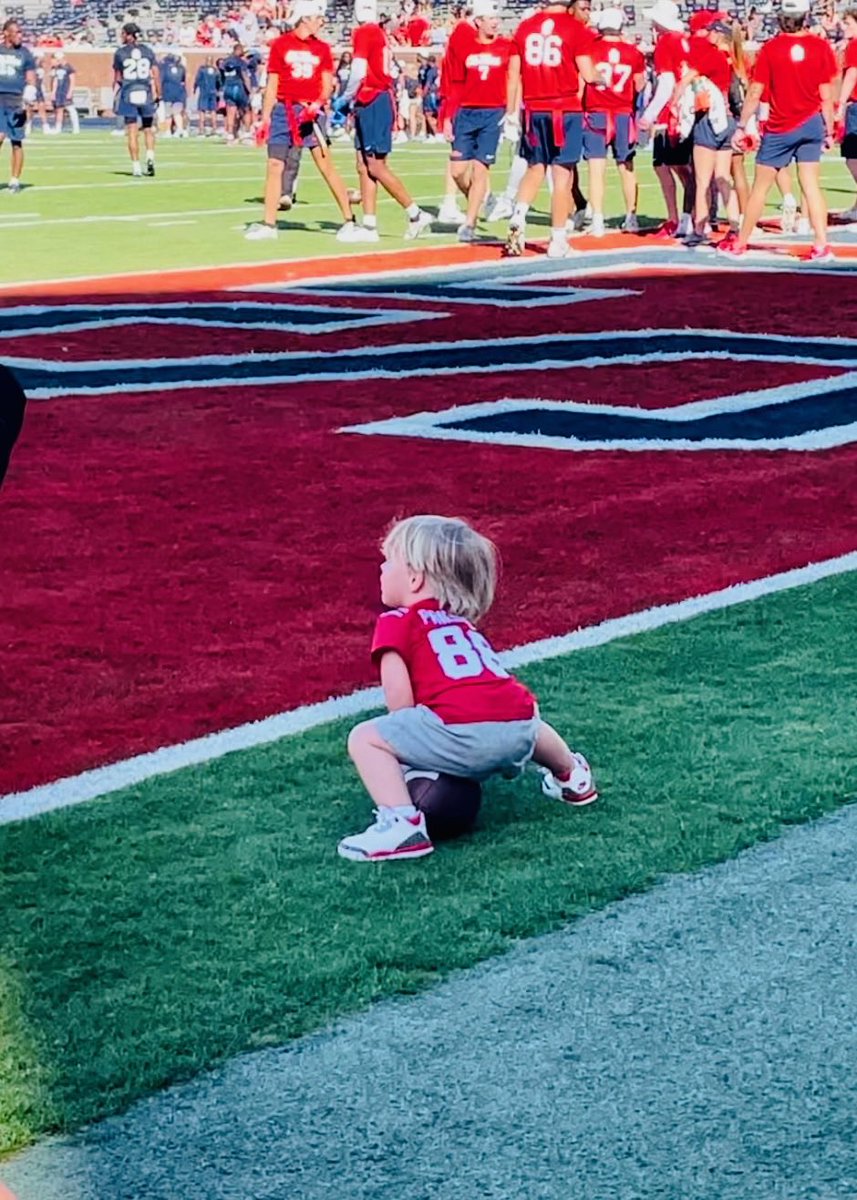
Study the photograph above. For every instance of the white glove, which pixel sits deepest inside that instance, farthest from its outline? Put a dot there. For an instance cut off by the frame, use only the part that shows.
(511, 128)
(30, 93)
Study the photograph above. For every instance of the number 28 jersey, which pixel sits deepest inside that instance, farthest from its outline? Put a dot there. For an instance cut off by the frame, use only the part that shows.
(454, 669)
(133, 66)
(548, 44)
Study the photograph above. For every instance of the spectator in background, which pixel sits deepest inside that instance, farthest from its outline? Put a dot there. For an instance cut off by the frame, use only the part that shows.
(418, 28)
(62, 76)
(206, 86)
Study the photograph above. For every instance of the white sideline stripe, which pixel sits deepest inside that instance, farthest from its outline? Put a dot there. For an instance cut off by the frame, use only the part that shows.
(63, 793)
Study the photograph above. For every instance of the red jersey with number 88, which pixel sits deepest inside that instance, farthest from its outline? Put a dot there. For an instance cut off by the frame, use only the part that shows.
(454, 669)
(618, 63)
(548, 44)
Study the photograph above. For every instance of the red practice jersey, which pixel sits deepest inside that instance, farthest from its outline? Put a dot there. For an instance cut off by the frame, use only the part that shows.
(452, 65)
(618, 62)
(672, 52)
(299, 64)
(850, 60)
(548, 44)
(706, 59)
(370, 42)
(792, 68)
(480, 73)
(453, 668)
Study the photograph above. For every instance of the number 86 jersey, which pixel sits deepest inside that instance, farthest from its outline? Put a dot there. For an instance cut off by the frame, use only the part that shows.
(549, 44)
(454, 670)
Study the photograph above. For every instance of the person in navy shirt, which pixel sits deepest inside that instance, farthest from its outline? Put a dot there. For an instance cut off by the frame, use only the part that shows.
(17, 89)
(174, 93)
(206, 86)
(63, 99)
(138, 85)
(236, 92)
(39, 104)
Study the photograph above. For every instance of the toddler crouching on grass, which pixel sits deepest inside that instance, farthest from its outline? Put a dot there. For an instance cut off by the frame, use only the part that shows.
(452, 705)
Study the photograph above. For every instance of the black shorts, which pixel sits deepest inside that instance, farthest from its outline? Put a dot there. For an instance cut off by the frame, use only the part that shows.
(669, 153)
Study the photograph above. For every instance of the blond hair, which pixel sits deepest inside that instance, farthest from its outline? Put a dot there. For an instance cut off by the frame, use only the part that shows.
(460, 565)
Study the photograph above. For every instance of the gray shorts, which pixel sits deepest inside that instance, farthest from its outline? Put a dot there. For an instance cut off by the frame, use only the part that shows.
(476, 751)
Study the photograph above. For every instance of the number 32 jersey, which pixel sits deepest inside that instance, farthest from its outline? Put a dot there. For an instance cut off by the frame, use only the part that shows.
(454, 669)
(548, 44)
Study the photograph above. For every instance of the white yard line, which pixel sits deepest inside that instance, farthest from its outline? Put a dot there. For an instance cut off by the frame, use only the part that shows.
(101, 781)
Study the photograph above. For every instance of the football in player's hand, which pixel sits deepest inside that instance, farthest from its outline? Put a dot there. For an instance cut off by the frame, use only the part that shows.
(450, 804)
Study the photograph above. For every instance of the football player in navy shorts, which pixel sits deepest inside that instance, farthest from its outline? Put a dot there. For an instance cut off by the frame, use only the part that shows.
(138, 87)
(370, 84)
(206, 85)
(795, 72)
(235, 72)
(608, 120)
(17, 90)
(477, 81)
(551, 56)
(300, 83)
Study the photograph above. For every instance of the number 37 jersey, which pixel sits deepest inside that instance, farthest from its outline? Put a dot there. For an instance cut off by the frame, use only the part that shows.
(548, 45)
(454, 669)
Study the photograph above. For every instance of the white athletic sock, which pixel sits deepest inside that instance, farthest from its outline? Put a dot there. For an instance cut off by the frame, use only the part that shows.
(405, 810)
(413, 211)
(517, 171)
(370, 221)
(519, 215)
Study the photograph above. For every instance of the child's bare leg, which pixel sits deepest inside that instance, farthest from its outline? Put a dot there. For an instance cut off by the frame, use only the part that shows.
(552, 752)
(378, 767)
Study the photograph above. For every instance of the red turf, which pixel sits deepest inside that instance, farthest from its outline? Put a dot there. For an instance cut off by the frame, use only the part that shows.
(182, 562)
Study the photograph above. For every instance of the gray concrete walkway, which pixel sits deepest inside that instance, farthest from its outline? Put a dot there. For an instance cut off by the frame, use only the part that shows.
(698, 1043)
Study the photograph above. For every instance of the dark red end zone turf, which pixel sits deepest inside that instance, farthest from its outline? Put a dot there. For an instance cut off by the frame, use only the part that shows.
(178, 562)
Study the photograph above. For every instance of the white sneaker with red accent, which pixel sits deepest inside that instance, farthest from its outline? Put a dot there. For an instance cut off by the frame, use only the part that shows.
(391, 836)
(578, 789)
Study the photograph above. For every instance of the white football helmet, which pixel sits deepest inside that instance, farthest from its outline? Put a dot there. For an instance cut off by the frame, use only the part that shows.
(365, 11)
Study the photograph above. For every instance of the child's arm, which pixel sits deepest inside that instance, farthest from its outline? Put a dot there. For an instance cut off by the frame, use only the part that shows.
(396, 682)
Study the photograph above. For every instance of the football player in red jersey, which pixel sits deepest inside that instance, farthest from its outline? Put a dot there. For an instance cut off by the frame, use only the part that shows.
(670, 153)
(370, 84)
(300, 82)
(846, 113)
(608, 116)
(551, 55)
(795, 72)
(452, 705)
(477, 77)
(714, 125)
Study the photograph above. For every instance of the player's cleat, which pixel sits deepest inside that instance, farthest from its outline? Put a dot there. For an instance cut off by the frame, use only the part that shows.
(389, 837)
(685, 225)
(150, 168)
(579, 789)
(848, 214)
(352, 232)
(515, 241)
(579, 219)
(420, 224)
(597, 228)
(694, 240)
(803, 228)
(449, 213)
(669, 229)
(788, 214)
(730, 236)
(137, 170)
(821, 254)
(558, 247)
(631, 224)
(14, 185)
(286, 203)
(466, 233)
(500, 210)
(260, 232)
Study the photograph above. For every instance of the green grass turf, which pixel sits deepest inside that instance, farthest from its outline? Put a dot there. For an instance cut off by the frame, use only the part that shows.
(82, 214)
(152, 933)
